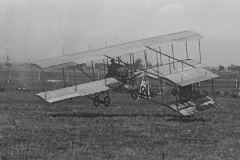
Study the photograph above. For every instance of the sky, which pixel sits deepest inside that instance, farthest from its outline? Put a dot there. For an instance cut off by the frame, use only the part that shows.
(32, 30)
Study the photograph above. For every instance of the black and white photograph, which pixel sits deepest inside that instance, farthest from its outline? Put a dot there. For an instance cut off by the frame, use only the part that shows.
(119, 80)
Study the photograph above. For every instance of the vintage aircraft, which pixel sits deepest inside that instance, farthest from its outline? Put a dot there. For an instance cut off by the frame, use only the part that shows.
(182, 75)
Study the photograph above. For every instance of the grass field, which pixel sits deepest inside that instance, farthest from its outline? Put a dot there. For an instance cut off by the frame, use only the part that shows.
(31, 129)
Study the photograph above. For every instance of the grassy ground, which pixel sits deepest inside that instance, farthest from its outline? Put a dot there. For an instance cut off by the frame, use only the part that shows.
(31, 129)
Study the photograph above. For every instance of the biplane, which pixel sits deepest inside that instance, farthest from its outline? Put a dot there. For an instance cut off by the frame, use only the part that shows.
(146, 81)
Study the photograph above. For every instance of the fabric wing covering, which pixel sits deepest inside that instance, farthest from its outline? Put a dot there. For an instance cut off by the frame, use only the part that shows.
(183, 74)
(75, 91)
(117, 50)
(179, 73)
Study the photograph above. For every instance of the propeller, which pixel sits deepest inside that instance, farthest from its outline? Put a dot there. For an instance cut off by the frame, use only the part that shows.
(138, 64)
(135, 68)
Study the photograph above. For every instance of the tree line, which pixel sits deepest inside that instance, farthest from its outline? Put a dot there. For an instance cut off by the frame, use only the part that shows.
(232, 67)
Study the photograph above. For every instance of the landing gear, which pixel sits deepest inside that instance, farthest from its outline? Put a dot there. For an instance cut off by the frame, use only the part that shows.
(143, 89)
(130, 79)
(105, 101)
(96, 101)
(134, 95)
(130, 82)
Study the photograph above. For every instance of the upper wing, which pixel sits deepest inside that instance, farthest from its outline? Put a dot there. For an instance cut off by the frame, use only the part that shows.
(117, 50)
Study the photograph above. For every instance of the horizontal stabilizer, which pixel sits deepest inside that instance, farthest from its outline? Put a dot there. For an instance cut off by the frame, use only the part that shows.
(189, 108)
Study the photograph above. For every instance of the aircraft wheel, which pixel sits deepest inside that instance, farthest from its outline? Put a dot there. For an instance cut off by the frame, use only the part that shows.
(129, 75)
(106, 101)
(131, 81)
(96, 101)
(134, 95)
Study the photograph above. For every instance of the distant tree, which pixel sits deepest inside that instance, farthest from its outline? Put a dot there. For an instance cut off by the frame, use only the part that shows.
(99, 66)
(82, 66)
(8, 64)
(212, 69)
(232, 67)
(221, 68)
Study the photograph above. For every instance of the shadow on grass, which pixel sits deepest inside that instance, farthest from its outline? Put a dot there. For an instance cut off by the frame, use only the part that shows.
(172, 117)
(96, 115)
(203, 141)
(186, 119)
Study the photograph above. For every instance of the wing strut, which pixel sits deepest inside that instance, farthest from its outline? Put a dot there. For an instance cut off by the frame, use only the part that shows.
(93, 71)
(176, 95)
(200, 56)
(173, 53)
(33, 80)
(133, 58)
(186, 50)
(213, 90)
(170, 56)
(129, 66)
(64, 84)
(160, 56)
(104, 67)
(74, 74)
(85, 73)
(160, 81)
(169, 65)
(45, 94)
